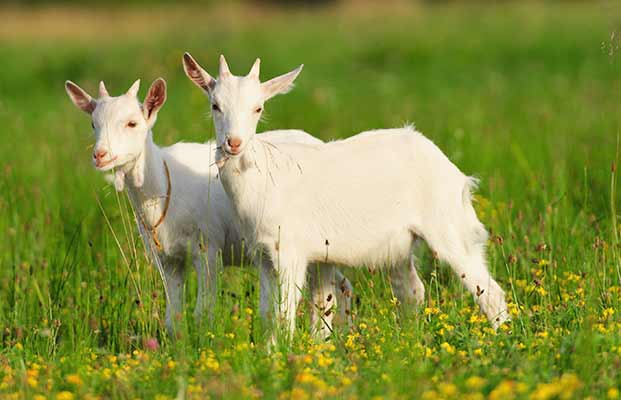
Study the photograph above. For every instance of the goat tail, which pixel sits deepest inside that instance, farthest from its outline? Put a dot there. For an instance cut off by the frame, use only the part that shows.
(470, 186)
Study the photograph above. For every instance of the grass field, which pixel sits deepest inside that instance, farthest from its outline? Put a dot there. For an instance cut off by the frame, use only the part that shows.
(525, 96)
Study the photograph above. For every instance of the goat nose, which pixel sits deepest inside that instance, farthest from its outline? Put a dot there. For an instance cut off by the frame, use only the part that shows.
(99, 154)
(234, 143)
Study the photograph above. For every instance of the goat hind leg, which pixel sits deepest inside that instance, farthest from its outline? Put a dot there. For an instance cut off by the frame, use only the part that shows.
(406, 284)
(467, 259)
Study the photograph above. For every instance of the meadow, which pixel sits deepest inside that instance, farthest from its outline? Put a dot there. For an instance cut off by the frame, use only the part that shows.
(525, 96)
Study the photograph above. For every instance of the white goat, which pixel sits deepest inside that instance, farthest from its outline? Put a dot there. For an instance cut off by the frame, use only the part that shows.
(179, 200)
(360, 201)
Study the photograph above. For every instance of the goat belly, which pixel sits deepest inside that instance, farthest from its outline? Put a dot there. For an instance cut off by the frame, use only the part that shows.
(376, 249)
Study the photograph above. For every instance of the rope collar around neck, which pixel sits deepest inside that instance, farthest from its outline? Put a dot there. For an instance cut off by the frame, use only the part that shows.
(153, 229)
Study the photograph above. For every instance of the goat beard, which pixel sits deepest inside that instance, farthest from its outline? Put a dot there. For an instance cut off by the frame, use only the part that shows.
(119, 180)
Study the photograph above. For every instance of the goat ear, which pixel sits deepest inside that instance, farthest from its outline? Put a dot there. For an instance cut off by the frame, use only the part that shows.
(155, 99)
(281, 84)
(80, 98)
(198, 75)
(133, 90)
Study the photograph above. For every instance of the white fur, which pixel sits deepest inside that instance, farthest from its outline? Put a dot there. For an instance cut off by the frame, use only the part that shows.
(370, 197)
(199, 212)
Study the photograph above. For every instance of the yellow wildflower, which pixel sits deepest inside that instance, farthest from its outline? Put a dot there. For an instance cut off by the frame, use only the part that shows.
(448, 348)
(212, 364)
(475, 382)
(298, 394)
(351, 340)
(477, 318)
(430, 395)
(73, 379)
(563, 388)
(448, 389)
(323, 361)
(305, 377)
(431, 310)
(513, 308)
(64, 395)
(543, 335)
(505, 390)
(32, 381)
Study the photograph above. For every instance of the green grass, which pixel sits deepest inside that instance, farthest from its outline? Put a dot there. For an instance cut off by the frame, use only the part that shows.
(524, 96)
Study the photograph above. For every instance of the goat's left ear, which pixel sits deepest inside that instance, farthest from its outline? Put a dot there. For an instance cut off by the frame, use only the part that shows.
(155, 99)
(281, 84)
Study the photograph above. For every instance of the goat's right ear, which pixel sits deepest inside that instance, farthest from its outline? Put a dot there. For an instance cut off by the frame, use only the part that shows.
(198, 75)
(80, 98)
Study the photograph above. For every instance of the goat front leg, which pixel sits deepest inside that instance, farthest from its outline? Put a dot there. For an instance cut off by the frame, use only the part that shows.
(344, 293)
(291, 278)
(206, 272)
(281, 287)
(174, 275)
(267, 297)
(322, 279)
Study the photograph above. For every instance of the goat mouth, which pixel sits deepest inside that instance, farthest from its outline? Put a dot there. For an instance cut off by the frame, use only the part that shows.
(230, 153)
(105, 165)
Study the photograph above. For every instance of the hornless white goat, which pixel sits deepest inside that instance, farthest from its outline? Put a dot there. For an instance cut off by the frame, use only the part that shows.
(360, 201)
(179, 200)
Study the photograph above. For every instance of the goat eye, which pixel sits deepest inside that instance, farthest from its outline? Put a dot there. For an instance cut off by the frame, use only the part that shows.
(132, 124)
(258, 110)
(215, 107)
